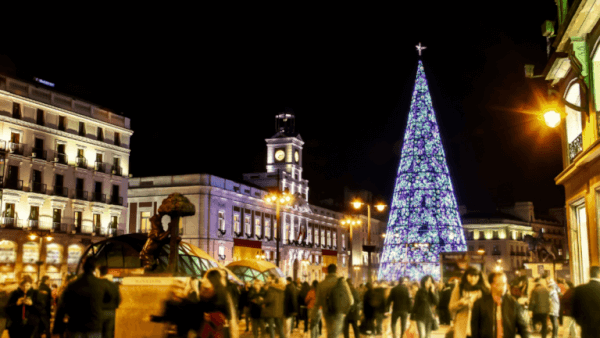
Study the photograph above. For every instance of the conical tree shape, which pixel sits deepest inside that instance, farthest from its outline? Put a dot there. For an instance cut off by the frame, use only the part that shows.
(424, 219)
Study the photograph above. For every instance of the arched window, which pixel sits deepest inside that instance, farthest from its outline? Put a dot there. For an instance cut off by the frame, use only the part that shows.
(573, 122)
(54, 253)
(8, 251)
(74, 254)
(31, 252)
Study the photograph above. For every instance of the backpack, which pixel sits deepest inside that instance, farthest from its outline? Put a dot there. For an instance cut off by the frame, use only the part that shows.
(338, 300)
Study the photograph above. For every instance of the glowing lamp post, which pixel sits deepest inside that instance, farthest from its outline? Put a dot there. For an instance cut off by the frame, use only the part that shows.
(32, 236)
(369, 248)
(552, 118)
(279, 199)
(351, 222)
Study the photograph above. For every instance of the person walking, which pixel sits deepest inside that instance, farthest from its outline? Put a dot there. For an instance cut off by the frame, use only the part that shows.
(497, 314)
(82, 302)
(302, 311)
(244, 306)
(566, 310)
(110, 303)
(217, 305)
(333, 320)
(401, 302)
(378, 304)
(353, 315)
(23, 310)
(472, 287)
(368, 324)
(290, 305)
(45, 298)
(255, 299)
(539, 305)
(586, 305)
(310, 299)
(554, 296)
(273, 306)
(422, 311)
(3, 302)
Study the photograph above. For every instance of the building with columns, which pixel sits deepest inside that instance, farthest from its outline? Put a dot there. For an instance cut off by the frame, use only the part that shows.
(234, 222)
(64, 168)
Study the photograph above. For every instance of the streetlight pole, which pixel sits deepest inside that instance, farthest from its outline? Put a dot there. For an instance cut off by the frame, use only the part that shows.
(278, 198)
(368, 248)
(350, 222)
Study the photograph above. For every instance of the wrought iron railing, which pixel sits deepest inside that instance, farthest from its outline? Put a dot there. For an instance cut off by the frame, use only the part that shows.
(98, 197)
(13, 184)
(575, 147)
(39, 153)
(61, 191)
(117, 171)
(100, 166)
(16, 148)
(38, 187)
(81, 162)
(116, 200)
(80, 195)
(61, 158)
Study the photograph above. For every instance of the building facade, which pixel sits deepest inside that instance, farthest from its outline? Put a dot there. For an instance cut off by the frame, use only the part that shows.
(65, 167)
(500, 235)
(234, 222)
(573, 78)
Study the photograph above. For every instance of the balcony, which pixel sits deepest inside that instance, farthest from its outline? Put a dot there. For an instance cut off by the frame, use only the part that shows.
(61, 191)
(13, 184)
(38, 187)
(61, 158)
(100, 167)
(81, 162)
(59, 227)
(16, 148)
(39, 153)
(575, 147)
(116, 200)
(117, 171)
(2, 145)
(8, 222)
(98, 197)
(80, 195)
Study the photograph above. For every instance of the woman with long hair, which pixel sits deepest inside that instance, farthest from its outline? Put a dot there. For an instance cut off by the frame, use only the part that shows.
(217, 305)
(472, 286)
(422, 312)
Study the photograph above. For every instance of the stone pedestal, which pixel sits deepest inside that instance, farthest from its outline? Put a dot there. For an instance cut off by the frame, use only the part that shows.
(141, 297)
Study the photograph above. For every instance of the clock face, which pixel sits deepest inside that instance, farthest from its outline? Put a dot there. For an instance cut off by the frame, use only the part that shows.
(297, 156)
(279, 155)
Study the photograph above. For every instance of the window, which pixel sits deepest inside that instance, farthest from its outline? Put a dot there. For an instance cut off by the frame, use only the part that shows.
(222, 220)
(31, 252)
(580, 246)
(236, 223)
(343, 241)
(62, 123)
(328, 238)
(275, 232)
(8, 251)
(573, 122)
(257, 227)
(309, 235)
(39, 118)
(323, 237)
(221, 250)
(34, 216)
(100, 134)
(53, 253)
(267, 228)
(334, 240)
(247, 225)
(97, 223)
(16, 110)
(117, 139)
(81, 129)
(145, 225)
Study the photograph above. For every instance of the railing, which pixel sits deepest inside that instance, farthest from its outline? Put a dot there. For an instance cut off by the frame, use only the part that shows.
(98, 197)
(2, 145)
(116, 200)
(13, 184)
(39, 153)
(59, 227)
(38, 187)
(61, 191)
(100, 166)
(496, 253)
(16, 148)
(575, 147)
(81, 162)
(9, 222)
(117, 171)
(61, 158)
(80, 195)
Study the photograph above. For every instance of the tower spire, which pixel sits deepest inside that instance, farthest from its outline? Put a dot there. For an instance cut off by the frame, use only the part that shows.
(424, 219)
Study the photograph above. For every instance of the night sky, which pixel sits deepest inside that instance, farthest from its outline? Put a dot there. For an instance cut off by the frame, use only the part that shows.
(202, 91)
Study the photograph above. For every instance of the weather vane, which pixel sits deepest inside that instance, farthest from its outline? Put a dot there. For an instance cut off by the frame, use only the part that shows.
(420, 48)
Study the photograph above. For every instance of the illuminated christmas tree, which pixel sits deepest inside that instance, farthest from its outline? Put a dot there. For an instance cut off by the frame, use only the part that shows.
(424, 219)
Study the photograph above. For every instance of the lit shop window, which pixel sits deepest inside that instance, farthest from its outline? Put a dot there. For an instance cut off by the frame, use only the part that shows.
(53, 253)
(74, 254)
(145, 226)
(31, 252)
(8, 251)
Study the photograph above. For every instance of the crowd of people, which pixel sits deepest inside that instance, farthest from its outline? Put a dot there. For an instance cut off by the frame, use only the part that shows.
(472, 306)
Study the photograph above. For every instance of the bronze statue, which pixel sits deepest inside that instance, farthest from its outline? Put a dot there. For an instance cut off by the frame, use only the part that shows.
(156, 239)
(540, 245)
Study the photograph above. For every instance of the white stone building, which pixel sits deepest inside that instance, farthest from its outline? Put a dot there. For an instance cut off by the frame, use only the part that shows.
(65, 167)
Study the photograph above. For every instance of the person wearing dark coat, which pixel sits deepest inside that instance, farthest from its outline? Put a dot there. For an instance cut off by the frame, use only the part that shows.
(402, 303)
(539, 304)
(368, 324)
(45, 297)
(273, 307)
(23, 310)
(353, 315)
(443, 309)
(422, 311)
(110, 303)
(82, 302)
(586, 305)
(302, 311)
(290, 305)
(485, 317)
(255, 298)
(243, 305)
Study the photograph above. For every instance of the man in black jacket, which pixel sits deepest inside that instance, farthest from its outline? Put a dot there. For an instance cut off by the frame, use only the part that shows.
(290, 305)
(402, 303)
(111, 302)
(586, 305)
(82, 301)
(497, 311)
(45, 298)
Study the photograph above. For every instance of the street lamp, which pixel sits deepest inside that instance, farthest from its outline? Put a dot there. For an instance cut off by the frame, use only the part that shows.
(357, 204)
(552, 118)
(279, 199)
(42, 234)
(351, 222)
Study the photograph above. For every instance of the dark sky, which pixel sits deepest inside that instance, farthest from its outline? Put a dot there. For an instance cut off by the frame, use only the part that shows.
(202, 90)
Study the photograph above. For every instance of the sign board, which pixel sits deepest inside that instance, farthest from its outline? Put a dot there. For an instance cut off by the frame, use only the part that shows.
(161, 281)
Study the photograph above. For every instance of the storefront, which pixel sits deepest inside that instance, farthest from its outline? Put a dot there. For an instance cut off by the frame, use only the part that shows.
(8, 258)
